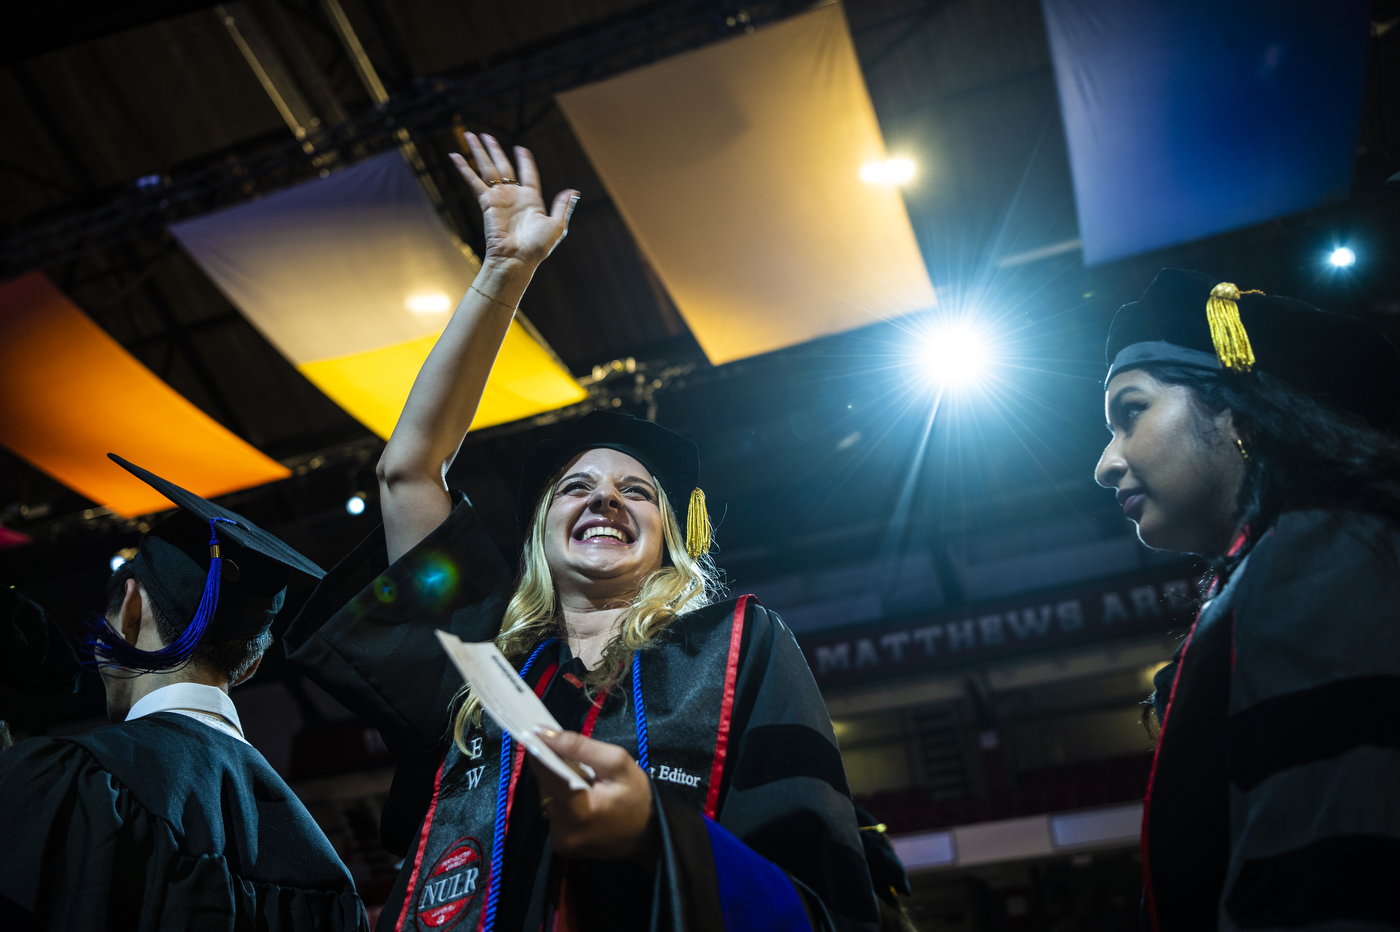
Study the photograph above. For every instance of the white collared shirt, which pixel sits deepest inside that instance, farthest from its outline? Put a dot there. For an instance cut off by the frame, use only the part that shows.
(207, 704)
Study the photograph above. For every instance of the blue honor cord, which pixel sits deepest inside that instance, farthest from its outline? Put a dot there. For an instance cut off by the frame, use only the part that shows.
(498, 838)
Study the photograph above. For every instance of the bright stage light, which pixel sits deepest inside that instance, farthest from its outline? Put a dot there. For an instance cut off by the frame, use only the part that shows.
(355, 504)
(954, 354)
(117, 562)
(430, 303)
(1342, 258)
(893, 171)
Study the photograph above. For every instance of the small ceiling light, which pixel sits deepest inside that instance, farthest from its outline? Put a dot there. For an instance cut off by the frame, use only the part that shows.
(892, 171)
(117, 562)
(1342, 258)
(355, 504)
(429, 303)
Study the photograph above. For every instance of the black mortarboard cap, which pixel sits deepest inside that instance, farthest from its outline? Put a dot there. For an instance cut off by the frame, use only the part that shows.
(209, 568)
(1344, 361)
(672, 459)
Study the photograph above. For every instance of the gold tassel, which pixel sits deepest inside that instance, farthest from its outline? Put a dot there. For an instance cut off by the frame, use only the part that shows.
(1227, 330)
(697, 526)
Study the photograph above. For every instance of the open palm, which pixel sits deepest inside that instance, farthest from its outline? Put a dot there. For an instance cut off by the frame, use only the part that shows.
(512, 205)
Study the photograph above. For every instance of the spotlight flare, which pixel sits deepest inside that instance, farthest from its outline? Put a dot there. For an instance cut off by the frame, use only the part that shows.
(891, 171)
(954, 354)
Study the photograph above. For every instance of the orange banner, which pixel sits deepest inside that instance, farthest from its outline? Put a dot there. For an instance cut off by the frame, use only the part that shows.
(70, 394)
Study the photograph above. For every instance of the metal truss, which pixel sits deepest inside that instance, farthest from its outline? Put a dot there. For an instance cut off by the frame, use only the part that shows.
(427, 106)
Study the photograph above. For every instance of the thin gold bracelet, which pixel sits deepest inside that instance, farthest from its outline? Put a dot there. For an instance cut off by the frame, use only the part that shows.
(513, 308)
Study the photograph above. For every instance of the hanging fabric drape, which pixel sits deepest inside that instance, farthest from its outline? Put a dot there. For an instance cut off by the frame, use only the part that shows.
(738, 170)
(70, 394)
(1191, 117)
(353, 277)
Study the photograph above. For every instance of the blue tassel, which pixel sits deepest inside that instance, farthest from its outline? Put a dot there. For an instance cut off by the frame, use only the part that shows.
(115, 651)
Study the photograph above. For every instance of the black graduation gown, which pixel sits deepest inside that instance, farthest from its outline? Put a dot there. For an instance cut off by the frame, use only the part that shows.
(745, 768)
(1272, 802)
(161, 823)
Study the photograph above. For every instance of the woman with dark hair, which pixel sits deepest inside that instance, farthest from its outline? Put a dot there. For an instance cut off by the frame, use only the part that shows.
(719, 801)
(1251, 429)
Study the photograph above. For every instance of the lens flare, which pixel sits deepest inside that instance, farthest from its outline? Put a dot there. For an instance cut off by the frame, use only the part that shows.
(436, 578)
(1342, 258)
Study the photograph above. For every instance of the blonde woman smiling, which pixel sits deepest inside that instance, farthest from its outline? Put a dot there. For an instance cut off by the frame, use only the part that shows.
(720, 801)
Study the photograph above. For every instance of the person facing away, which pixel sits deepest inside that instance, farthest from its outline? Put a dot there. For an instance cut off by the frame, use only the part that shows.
(1251, 429)
(719, 799)
(168, 818)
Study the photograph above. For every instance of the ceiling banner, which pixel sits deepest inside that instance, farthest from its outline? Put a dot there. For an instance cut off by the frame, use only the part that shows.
(1192, 117)
(738, 170)
(353, 277)
(70, 394)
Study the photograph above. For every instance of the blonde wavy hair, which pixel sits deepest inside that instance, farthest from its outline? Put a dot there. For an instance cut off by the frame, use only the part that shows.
(680, 585)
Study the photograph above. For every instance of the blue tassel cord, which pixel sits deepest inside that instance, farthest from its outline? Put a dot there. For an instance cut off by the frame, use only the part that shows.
(498, 837)
(643, 757)
(110, 648)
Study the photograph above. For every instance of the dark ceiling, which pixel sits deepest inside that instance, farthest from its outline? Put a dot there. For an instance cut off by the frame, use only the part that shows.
(806, 452)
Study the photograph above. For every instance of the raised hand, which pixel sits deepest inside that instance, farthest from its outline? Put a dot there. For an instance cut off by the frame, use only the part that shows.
(413, 496)
(517, 227)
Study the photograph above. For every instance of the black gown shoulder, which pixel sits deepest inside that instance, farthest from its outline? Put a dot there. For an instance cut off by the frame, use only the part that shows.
(366, 637)
(161, 823)
(1270, 803)
(366, 633)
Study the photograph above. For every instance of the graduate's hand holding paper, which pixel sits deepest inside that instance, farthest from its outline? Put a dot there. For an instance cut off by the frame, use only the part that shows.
(510, 702)
(608, 814)
(612, 818)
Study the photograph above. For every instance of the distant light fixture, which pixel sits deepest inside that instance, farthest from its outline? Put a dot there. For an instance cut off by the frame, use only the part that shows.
(891, 171)
(955, 353)
(429, 303)
(124, 555)
(1342, 258)
(355, 504)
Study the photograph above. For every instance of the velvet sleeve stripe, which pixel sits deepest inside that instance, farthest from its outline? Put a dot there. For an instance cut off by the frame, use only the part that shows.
(754, 893)
(775, 752)
(1314, 724)
(1342, 878)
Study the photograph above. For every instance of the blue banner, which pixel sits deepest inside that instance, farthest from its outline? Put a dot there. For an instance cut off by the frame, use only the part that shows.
(1187, 118)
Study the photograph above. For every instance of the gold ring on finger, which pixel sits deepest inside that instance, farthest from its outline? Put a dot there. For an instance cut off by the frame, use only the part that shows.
(509, 181)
